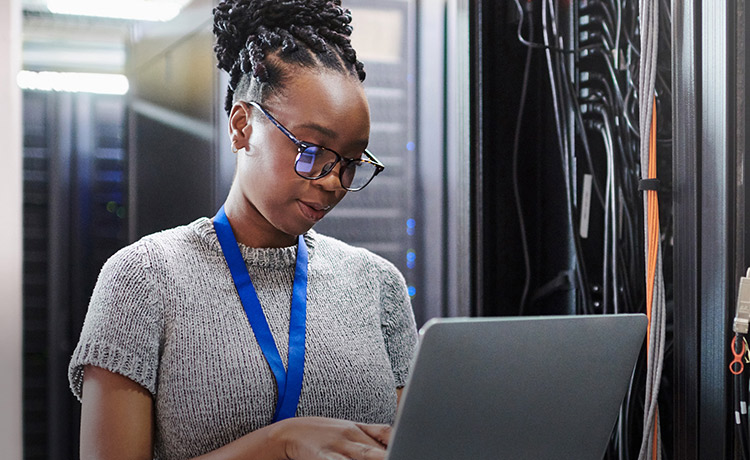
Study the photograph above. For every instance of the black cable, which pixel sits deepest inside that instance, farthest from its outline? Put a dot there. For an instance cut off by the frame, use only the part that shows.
(590, 37)
(516, 192)
(607, 59)
(604, 84)
(630, 103)
(582, 282)
(626, 164)
(630, 99)
(631, 264)
(615, 108)
(561, 133)
(603, 127)
(602, 24)
(581, 131)
(630, 32)
(530, 43)
(583, 301)
(604, 8)
(627, 295)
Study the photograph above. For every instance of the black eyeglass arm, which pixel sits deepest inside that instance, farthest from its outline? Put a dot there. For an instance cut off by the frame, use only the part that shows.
(276, 122)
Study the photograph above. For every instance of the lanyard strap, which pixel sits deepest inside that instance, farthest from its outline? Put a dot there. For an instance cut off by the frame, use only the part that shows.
(288, 382)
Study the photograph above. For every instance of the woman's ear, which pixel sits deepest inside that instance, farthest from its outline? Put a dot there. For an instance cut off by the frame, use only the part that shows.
(239, 126)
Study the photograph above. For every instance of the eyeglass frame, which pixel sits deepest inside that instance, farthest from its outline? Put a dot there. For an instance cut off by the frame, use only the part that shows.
(303, 145)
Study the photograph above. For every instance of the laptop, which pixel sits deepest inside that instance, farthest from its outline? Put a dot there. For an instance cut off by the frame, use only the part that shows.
(516, 387)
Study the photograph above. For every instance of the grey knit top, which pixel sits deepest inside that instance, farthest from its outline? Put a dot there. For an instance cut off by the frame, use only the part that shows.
(165, 313)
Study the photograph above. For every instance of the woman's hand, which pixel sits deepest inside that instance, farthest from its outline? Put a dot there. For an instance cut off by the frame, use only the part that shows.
(315, 438)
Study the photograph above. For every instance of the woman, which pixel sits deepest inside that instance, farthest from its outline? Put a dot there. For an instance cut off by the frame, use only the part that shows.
(190, 347)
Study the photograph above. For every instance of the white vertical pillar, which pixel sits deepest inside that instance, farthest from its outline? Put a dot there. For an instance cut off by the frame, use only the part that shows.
(11, 243)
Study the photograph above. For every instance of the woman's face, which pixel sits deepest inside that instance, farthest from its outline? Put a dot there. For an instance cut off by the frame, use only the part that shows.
(325, 108)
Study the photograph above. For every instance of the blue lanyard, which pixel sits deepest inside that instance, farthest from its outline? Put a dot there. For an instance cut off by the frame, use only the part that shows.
(288, 382)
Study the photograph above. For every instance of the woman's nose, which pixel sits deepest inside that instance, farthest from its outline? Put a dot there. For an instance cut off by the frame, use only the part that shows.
(331, 181)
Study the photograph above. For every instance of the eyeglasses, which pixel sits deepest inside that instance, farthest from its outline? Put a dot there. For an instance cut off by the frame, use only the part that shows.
(314, 161)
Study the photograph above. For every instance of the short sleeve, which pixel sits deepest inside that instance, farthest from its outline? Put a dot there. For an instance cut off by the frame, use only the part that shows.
(123, 326)
(398, 324)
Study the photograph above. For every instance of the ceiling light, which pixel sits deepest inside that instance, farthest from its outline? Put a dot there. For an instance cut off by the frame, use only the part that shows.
(143, 10)
(73, 82)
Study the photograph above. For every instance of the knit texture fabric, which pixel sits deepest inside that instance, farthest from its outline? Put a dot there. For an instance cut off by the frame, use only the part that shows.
(165, 313)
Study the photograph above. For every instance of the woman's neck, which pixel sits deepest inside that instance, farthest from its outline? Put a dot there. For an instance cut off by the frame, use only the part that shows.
(249, 226)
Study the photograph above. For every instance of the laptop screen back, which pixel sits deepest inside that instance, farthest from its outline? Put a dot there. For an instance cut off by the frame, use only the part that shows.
(516, 388)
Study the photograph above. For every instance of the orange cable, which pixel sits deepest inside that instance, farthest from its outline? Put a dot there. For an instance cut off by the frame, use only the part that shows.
(653, 225)
(653, 248)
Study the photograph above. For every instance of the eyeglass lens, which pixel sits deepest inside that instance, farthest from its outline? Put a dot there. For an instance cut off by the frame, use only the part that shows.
(314, 162)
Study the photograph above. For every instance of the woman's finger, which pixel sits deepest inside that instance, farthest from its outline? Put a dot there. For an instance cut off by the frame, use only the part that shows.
(380, 433)
(360, 451)
(336, 456)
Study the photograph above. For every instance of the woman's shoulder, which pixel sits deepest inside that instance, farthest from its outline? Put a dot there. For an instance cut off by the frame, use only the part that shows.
(334, 250)
(181, 241)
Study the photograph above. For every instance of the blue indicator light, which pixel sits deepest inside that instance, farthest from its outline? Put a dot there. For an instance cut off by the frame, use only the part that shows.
(410, 256)
(411, 223)
(410, 146)
(410, 264)
(412, 291)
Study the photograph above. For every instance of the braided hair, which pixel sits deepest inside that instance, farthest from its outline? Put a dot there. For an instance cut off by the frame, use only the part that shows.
(256, 38)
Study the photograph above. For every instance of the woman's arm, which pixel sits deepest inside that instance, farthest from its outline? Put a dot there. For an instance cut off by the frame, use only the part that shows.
(116, 417)
(117, 422)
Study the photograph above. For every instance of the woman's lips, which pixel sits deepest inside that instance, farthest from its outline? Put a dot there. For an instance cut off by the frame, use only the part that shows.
(313, 211)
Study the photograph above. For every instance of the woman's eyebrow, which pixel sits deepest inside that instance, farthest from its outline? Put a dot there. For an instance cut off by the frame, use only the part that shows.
(331, 134)
(321, 129)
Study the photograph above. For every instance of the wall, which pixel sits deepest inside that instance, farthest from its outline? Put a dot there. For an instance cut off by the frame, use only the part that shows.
(10, 231)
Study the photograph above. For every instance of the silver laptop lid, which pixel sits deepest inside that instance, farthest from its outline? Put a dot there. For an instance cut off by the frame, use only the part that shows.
(516, 387)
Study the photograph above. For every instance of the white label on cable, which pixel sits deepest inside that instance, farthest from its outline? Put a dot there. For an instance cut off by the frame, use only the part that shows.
(737, 418)
(585, 206)
(743, 407)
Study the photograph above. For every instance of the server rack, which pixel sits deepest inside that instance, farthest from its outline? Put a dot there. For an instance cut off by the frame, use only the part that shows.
(383, 217)
(552, 124)
(708, 166)
(74, 219)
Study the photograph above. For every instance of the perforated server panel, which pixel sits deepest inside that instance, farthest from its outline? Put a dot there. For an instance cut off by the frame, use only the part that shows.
(381, 217)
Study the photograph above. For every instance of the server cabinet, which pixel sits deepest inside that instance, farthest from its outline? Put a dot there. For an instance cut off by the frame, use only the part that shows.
(75, 208)
(706, 239)
(555, 137)
(382, 218)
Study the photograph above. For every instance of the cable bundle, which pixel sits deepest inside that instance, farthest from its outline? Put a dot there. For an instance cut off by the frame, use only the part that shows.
(655, 297)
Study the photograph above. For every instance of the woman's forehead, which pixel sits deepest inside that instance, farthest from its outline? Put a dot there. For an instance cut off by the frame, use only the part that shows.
(330, 101)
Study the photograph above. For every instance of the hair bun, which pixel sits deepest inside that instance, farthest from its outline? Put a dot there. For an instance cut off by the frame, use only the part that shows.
(238, 23)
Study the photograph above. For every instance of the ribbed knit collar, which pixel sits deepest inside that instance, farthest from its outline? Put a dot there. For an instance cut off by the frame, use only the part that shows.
(265, 257)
